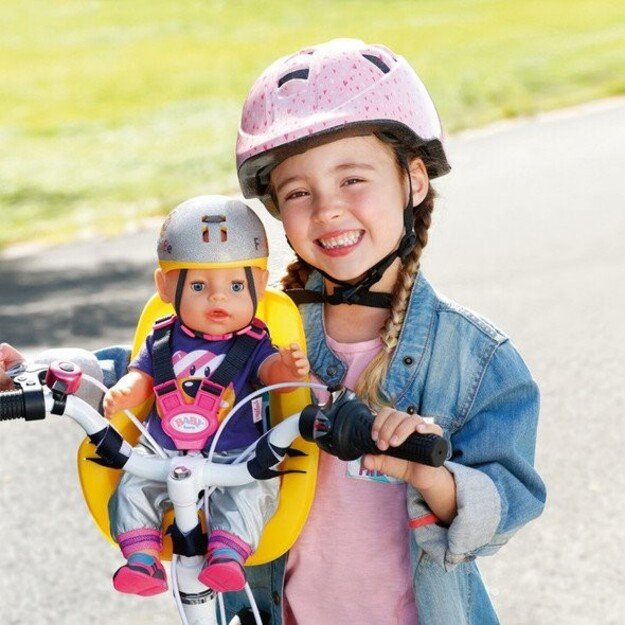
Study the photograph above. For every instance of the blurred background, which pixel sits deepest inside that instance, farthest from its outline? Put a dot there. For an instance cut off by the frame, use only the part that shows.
(111, 113)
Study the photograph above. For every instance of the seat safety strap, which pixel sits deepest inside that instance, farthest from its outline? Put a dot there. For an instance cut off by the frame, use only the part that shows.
(239, 353)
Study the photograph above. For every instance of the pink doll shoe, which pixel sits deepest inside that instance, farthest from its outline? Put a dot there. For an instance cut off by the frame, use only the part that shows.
(223, 575)
(142, 575)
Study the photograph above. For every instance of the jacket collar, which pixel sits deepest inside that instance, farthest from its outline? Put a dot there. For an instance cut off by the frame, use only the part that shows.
(412, 349)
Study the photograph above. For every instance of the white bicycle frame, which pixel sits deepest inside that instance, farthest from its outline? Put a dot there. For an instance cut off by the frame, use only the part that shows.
(346, 434)
(185, 476)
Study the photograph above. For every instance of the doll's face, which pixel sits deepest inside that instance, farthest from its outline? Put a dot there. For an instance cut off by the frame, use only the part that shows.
(214, 301)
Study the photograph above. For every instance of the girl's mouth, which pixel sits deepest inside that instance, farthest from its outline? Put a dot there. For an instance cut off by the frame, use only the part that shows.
(337, 242)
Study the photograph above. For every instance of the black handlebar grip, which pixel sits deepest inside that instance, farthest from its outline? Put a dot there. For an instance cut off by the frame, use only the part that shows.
(26, 401)
(12, 405)
(352, 438)
(428, 449)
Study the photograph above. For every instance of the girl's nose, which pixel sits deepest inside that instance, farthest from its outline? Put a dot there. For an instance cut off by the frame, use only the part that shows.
(326, 208)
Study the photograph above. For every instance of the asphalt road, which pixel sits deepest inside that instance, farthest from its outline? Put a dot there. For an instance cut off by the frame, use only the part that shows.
(529, 231)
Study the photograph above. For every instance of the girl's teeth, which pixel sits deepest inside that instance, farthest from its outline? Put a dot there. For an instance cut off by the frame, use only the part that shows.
(340, 241)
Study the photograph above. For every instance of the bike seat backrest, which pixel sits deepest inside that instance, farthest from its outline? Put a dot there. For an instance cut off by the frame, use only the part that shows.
(297, 489)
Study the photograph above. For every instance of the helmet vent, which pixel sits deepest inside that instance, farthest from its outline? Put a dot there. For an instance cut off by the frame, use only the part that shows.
(301, 74)
(221, 231)
(378, 62)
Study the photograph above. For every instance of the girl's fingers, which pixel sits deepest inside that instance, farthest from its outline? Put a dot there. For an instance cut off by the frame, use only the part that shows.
(404, 429)
(429, 428)
(6, 383)
(379, 421)
(9, 356)
(385, 425)
(392, 427)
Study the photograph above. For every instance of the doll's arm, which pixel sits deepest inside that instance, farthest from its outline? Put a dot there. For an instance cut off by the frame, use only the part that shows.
(131, 390)
(288, 365)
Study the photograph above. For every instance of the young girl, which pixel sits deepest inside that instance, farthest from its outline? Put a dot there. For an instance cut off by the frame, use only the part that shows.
(340, 142)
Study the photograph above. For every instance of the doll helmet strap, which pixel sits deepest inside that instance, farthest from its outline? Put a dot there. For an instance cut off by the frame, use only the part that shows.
(304, 99)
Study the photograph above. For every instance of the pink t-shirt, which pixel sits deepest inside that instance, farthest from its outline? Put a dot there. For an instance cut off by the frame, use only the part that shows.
(351, 563)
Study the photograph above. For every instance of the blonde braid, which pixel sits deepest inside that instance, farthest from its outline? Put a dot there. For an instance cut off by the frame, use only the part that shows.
(369, 386)
(297, 273)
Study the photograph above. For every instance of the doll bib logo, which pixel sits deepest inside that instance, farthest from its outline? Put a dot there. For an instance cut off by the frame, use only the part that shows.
(189, 423)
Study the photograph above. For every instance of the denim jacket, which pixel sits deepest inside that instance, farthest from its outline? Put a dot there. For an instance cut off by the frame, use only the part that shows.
(455, 366)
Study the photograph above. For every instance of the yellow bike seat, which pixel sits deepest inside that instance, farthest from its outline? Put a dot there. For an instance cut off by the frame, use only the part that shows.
(297, 489)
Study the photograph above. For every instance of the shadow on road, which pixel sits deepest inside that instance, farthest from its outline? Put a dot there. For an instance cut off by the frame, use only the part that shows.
(83, 304)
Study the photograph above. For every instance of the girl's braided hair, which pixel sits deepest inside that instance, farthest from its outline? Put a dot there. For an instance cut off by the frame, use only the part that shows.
(369, 386)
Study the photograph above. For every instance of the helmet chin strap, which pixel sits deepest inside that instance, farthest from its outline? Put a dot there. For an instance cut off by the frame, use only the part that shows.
(182, 276)
(359, 292)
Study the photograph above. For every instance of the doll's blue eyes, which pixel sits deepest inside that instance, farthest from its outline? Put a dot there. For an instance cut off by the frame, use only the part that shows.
(235, 287)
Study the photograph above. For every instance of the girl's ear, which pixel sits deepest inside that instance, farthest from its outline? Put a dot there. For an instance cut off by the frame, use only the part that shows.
(420, 181)
(166, 284)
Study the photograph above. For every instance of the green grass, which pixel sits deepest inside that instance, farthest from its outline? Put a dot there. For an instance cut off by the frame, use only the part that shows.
(111, 111)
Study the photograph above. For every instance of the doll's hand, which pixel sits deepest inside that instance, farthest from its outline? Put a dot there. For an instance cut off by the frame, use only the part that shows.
(116, 399)
(9, 357)
(294, 359)
(390, 429)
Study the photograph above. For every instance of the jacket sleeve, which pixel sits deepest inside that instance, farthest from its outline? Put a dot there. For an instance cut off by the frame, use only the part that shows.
(497, 488)
(114, 363)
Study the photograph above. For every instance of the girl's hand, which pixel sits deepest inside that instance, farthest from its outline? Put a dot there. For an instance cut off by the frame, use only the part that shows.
(9, 357)
(117, 398)
(390, 429)
(294, 359)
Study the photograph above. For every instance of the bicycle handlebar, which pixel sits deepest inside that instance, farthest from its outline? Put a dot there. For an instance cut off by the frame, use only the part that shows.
(342, 427)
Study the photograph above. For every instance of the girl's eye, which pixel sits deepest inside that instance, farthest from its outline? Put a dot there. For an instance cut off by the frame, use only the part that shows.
(351, 181)
(197, 286)
(295, 195)
(237, 287)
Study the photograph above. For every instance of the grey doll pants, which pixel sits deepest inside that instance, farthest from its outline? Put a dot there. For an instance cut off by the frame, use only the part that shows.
(139, 503)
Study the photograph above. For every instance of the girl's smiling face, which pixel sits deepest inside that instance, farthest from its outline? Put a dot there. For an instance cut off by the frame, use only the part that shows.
(342, 204)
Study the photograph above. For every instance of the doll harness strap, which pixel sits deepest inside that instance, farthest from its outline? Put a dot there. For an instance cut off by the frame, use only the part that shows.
(190, 425)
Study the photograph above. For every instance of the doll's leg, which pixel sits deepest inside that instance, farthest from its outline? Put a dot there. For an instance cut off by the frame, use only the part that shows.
(237, 518)
(136, 512)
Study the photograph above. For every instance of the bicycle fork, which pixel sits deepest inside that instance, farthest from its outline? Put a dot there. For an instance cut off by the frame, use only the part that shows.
(197, 601)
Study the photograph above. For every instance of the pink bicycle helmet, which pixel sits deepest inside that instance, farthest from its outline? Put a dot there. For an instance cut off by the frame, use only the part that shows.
(301, 99)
